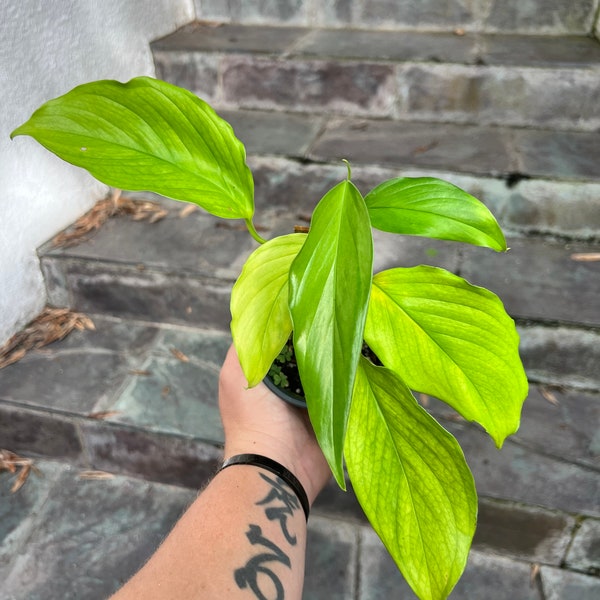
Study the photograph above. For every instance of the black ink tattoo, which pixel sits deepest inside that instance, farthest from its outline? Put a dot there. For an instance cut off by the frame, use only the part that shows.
(280, 513)
(248, 576)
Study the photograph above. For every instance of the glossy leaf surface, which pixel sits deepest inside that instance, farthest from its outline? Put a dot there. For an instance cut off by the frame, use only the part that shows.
(450, 339)
(412, 481)
(330, 282)
(430, 207)
(149, 135)
(261, 322)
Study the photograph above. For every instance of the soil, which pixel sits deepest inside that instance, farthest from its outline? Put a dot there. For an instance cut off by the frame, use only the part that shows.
(286, 362)
(287, 365)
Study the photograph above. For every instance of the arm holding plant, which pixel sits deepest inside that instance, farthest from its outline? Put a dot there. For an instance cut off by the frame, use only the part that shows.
(245, 535)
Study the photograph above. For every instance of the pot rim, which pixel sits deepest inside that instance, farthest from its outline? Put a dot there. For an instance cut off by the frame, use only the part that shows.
(289, 397)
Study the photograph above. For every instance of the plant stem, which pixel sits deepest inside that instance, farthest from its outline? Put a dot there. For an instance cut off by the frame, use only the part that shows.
(349, 168)
(253, 232)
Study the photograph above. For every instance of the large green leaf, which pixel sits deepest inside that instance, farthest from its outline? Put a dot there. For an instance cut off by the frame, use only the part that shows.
(261, 322)
(450, 339)
(433, 208)
(149, 135)
(411, 479)
(329, 291)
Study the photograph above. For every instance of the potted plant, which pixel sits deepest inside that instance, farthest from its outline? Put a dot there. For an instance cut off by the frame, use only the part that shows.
(430, 330)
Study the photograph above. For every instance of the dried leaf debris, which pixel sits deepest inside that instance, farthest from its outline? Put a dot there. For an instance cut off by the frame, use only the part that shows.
(103, 414)
(549, 395)
(116, 205)
(534, 574)
(15, 464)
(179, 355)
(187, 210)
(586, 256)
(51, 325)
(95, 475)
(140, 372)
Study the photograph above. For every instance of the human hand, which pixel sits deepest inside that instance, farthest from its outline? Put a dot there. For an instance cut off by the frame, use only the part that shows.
(256, 421)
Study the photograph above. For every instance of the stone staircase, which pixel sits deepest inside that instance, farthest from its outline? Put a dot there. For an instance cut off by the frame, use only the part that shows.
(511, 117)
(500, 98)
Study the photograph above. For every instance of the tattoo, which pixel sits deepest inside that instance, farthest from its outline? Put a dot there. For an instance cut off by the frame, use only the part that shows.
(248, 576)
(280, 513)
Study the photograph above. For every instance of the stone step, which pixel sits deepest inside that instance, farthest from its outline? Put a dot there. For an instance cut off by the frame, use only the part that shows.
(548, 82)
(181, 270)
(122, 400)
(534, 181)
(125, 520)
(539, 16)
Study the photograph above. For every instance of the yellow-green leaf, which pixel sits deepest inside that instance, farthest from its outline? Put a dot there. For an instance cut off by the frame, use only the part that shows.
(431, 207)
(329, 291)
(149, 135)
(261, 322)
(412, 481)
(453, 340)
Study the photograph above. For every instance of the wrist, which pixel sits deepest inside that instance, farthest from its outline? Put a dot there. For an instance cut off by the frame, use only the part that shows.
(279, 454)
(284, 475)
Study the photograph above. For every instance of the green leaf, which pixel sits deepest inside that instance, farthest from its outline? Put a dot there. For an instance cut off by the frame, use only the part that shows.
(261, 322)
(412, 481)
(330, 282)
(149, 135)
(448, 338)
(430, 207)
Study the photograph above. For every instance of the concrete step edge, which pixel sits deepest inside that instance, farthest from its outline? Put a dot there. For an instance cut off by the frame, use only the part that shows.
(519, 81)
(356, 45)
(539, 282)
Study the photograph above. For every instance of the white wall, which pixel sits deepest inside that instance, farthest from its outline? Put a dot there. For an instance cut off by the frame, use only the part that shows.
(46, 48)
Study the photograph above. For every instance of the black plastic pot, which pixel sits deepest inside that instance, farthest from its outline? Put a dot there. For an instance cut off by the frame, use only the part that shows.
(286, 395)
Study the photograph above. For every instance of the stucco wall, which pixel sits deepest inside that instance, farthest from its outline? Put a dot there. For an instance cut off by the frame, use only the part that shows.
(46, 48)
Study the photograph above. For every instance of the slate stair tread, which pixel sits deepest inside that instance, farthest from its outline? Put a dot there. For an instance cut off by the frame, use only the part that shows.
(182, 270)
(161, 425)
(474, 149)
(542, 51)
(476, 78)
(51, 511)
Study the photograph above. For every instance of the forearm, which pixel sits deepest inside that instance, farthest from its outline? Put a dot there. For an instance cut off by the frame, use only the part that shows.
(244, 537)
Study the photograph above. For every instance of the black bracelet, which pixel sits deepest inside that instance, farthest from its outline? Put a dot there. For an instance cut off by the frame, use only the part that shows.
(276, 468)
